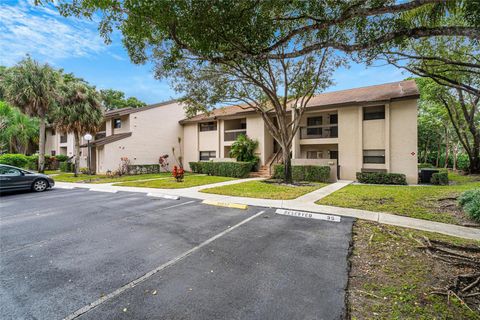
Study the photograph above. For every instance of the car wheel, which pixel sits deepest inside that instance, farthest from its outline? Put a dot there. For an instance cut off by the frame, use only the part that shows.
(40, 185)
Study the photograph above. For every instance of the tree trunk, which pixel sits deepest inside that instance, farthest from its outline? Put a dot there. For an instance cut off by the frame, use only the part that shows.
(287, 165)
(474, 164)
(438, 156)
(447, 147)
(77, 154)
(41, 146)
(455, 156)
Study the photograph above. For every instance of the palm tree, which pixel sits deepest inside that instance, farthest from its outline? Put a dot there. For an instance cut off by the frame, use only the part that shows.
(34, 89)
(20, 132)
(80, 113)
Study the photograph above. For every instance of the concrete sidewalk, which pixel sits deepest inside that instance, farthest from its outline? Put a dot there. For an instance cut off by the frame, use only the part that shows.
(303, 203)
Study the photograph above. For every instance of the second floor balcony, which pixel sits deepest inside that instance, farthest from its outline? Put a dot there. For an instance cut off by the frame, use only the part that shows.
(100, 135)
(319, 131)
(232, 135)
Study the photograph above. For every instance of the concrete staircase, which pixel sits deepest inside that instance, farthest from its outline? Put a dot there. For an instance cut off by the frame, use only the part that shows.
(263, 172)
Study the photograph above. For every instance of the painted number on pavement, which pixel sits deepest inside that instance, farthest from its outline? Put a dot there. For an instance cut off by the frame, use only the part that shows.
(308, 215)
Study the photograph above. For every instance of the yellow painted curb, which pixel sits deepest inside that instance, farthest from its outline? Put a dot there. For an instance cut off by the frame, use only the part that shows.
(225, 204)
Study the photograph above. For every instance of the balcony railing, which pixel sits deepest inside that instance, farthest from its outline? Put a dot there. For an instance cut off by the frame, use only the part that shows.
(232, 135)
(63, 139)
(319, 132)
(100, 135)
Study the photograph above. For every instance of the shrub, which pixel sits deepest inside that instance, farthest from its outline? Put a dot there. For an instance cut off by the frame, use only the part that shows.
(16, 160)
(225, 169)
(66, 166)
(440, 178)
(381, 178)
(425, 165)
(304, 173)
(61, 157)
(243, 149)
(470, 201)
(84, 171)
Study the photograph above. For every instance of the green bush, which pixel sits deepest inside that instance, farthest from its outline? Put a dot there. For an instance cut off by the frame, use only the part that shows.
(224, 169)
(303, 173)
(16, 160)
(66, 166)
(381, 178)
(425, 165)
(61, 157)
(440, 178)
(470, 201)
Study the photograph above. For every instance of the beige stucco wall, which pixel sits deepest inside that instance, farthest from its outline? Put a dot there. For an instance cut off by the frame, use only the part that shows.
(349, 141)
(403, 139)
(190, 138)
(154, 132)
(374, 134)
(256, 131)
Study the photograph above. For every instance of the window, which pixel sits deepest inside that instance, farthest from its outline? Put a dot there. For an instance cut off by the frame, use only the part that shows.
(53, 152)
(373, 113)
(53, 132)
(206, 155)
(7, 171)
(334, 154)
(208, 126)
(333, 118)
(314, 121)
(117, 123)
(373, 156)
(63, 138)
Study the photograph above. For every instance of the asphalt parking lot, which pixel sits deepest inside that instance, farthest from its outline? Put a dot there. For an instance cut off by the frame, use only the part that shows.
(95, 255)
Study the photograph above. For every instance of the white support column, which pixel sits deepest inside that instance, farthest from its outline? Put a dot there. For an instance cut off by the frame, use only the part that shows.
(387, 137)
(360, 139)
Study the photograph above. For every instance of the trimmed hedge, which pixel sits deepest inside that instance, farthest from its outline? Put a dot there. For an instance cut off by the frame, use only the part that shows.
(470, 201)
(16, 160)
(61, 157)
(224, 169)
(304, 173)
(381, 178)
(440, 178)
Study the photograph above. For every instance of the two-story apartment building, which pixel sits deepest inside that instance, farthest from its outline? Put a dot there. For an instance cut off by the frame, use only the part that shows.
(140, 134)
(364, 129)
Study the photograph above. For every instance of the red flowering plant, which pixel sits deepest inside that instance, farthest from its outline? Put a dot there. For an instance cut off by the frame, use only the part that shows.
(178, 173)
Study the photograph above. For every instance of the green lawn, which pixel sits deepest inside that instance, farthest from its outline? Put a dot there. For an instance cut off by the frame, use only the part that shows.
(423, 202)
(69, 177)
(264, 190)
(52, 171)
(171, 183)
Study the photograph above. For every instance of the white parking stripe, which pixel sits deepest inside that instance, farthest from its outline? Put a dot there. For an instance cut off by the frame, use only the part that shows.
(149, 274)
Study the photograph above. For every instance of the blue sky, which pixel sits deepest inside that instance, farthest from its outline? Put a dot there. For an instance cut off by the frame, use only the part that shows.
(75, 46)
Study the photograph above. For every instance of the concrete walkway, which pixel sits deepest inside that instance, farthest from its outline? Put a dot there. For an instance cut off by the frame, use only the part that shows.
(303, 203)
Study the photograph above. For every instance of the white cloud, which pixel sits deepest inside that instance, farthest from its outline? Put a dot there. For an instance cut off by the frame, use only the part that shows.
(43, 33)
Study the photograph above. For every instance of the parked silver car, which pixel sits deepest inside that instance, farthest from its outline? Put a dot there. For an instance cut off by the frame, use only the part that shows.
(13, 178)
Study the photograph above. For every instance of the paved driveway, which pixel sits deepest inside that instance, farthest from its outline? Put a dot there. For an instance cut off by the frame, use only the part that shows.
(96, 255)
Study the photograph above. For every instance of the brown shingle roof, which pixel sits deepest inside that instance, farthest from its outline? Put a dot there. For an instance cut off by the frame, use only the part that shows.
(124, 111)
(108, 139)
(377, 93)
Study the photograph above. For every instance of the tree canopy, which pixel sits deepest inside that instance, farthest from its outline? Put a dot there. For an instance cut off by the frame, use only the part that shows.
(114, 99)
